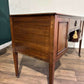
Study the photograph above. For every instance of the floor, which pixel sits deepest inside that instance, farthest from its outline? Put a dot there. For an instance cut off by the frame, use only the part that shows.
(69, 69)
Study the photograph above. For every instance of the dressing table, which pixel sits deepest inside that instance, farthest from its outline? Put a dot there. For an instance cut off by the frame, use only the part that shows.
(44, 36)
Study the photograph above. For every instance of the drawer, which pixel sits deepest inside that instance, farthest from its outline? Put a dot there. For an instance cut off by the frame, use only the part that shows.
(74, 23)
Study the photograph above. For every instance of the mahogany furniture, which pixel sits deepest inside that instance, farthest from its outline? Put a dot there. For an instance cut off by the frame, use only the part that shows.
(44, 36)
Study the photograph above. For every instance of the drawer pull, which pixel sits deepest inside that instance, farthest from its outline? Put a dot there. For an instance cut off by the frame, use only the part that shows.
(75, 24)
(75, 36)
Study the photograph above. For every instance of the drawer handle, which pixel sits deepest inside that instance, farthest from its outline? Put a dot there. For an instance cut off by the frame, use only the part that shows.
(75, 24)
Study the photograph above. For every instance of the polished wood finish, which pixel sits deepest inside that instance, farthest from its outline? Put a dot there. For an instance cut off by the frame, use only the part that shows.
(62, 34)
(52, 53)
(42, 36)
(15, 57)
(68, 70)
(81, 36)
(31, 36)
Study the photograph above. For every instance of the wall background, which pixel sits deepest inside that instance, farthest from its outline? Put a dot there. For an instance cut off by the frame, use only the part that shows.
(5, 35)
(71, 7)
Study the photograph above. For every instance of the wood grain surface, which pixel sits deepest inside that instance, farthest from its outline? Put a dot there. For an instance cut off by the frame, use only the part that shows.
(43, 36)
(69, 69)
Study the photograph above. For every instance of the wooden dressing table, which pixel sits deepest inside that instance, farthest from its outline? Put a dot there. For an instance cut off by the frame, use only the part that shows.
(44, 36)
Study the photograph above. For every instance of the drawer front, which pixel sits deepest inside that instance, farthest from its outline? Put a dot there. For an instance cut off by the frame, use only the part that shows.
(74, 23)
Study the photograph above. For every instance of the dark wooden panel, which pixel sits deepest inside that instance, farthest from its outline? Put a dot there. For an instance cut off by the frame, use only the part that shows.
(62, 34)
(32, 19)
(32, 52)
(31, 35)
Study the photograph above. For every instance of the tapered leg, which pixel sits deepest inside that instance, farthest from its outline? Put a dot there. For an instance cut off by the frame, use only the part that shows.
(15, 57)
(80, 43)
(51, 72)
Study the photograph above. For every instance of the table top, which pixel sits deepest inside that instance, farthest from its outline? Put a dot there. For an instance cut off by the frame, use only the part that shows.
(53, 13)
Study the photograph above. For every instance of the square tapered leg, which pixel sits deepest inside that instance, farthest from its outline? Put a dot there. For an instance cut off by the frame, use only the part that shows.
(15, 57)
(51, 72)
(80, 43)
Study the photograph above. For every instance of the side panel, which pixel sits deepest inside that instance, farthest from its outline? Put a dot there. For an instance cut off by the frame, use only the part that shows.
(31, 35)
(62, 41)
(62, 34)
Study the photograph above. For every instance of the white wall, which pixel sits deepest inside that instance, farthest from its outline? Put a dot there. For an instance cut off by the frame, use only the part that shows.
(71, 7)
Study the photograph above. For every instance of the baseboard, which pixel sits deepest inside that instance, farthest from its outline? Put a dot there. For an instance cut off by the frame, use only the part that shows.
(5, 45)
(75, 45)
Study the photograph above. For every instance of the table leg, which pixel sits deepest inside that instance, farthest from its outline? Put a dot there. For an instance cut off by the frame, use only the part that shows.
(15, 57)
(80, 43)
(51, 72)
